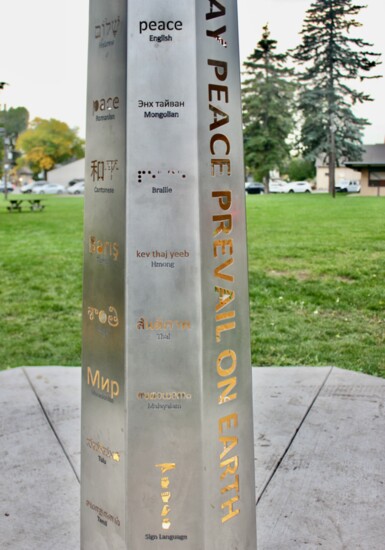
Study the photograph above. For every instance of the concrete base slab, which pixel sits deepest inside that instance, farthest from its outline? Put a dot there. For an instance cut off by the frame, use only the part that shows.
(319, 458)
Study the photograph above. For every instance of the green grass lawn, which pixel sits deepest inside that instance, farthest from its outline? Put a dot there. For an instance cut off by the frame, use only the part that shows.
(316, 282)
(317, 287)
(41, 284)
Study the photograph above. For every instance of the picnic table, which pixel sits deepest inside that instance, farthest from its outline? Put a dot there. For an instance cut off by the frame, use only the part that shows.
(35, 204)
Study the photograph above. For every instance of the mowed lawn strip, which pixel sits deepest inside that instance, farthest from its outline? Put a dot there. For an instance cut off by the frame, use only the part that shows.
(316, 282)
(41, 284)
(317, 294)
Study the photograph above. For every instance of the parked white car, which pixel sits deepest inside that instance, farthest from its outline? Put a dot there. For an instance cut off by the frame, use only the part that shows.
(51, 189)
(10, 187)
(33, 187)
(290, 187)
(76, 189)
(346, 186)
(277, 186)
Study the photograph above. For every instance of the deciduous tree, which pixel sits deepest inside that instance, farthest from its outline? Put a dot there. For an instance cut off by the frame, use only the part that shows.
(47, 143)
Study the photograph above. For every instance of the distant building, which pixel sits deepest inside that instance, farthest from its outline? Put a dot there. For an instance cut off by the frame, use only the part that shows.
(65, 173)
(24, 175)
(372, 170)
(342, 173)
(369, 172)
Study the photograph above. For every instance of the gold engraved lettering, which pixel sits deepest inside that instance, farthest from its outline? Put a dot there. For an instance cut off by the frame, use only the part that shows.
(160, 324)
(166, 524)
(221, 163)
(232, 486)
(165, 495)
(166, 467)
(91, 313)
(92, 245)
(113, 320)
(218, 271)
(229, 385)
(222, 328)
(224, 316)
(93, 381)
(224, 197)
(225, 297)
(226, 354)
(225, 225)
(222, 244)
(219, 90)
(227, 421)
(221, 138)
(165, 510)
(219, 148)
(114, 389)
(229, 443)
(165, 482)
(100, 315)
(220, 118)
(105, 385)
(231, 513)
(102, 450)
(221, 10)
(231, 465)
(220, 68)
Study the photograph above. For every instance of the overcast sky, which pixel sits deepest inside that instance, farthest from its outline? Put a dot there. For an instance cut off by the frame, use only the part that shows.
(43, 53)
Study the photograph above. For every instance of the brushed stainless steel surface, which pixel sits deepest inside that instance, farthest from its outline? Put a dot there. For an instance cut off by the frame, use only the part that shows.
(103, 495)
(167, 439)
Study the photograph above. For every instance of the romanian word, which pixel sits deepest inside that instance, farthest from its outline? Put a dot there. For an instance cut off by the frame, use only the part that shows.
(165, 494)
(102, 105)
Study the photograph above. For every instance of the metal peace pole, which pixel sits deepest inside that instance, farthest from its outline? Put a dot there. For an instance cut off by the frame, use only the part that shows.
(167, 438)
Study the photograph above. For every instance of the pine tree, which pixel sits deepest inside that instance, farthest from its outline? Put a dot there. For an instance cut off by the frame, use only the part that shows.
(331, 59)
(267, 108)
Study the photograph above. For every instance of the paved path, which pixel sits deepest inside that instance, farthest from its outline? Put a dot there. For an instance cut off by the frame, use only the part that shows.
(319, 447)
